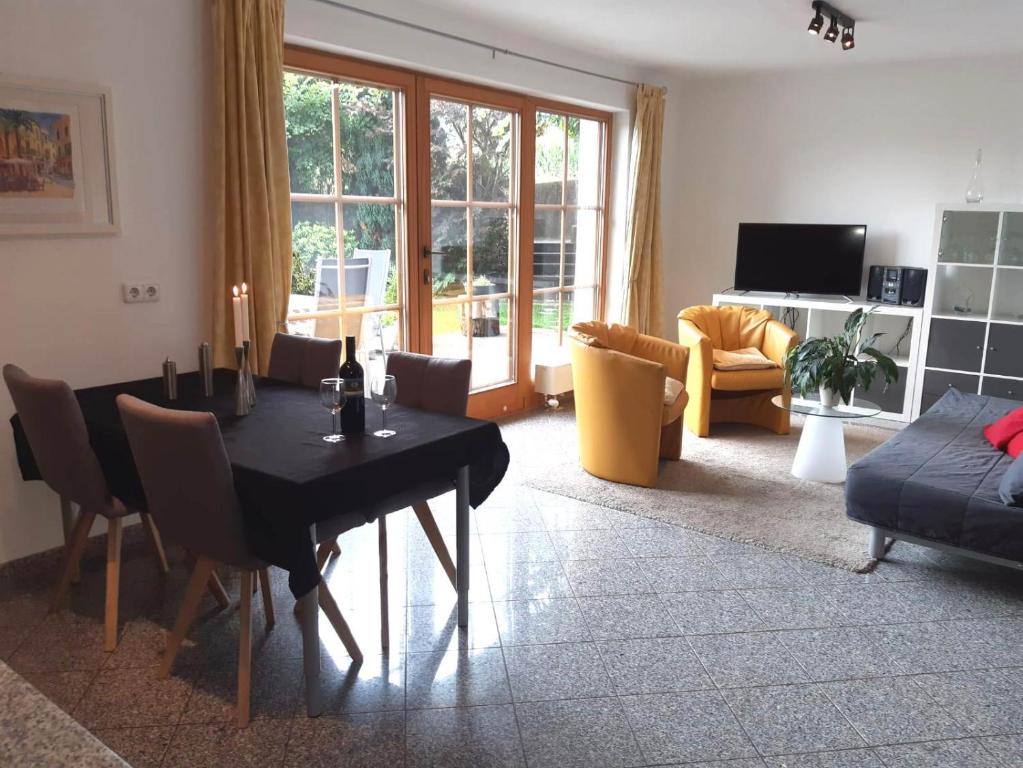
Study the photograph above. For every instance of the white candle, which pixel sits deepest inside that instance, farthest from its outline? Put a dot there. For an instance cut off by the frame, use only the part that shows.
(245, 313)
(237, 304)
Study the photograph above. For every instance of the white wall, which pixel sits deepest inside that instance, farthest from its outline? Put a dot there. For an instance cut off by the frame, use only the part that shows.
(60, 305)
(881, 145)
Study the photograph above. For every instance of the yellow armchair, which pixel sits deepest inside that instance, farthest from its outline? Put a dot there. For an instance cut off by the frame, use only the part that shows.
(734, 396)
(628, 413)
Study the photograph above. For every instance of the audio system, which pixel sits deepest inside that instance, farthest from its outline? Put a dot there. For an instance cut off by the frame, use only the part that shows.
(897, 285)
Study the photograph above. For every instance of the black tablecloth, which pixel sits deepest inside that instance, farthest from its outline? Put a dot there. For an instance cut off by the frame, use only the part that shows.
(286, 475)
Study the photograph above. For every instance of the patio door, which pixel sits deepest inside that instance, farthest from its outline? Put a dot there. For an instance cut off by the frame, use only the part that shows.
(470, 155)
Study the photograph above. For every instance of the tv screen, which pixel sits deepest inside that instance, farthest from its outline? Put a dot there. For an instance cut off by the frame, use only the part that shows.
(800, 258)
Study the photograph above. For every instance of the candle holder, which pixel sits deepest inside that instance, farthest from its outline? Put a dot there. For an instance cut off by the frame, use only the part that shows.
(241, 389)
(250, 386)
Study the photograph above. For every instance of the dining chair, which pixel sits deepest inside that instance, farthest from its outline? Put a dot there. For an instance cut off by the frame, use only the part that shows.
(57, 435)
(436, 384)
(304, 360)
(189, 484)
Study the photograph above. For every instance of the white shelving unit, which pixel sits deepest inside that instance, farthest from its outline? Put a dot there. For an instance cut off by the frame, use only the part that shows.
(826, 317)
(973, 330)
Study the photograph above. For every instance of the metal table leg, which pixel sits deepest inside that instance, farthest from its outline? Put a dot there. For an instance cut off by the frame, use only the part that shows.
(309, 614)
(462, 544)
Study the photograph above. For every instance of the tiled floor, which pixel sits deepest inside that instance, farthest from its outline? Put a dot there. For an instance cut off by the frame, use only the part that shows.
(597, 638)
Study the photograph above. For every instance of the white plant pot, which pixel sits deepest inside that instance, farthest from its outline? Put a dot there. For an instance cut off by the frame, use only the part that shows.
(829, 397)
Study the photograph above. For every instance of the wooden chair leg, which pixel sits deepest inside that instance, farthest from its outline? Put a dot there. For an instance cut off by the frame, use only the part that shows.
(245, 648)
(214, 585)
(268, 602)
(190, 605)
(154, 537)
(216, 589)
(72, 555)
(113, 583)
(385, 629)
(325, 550)
(433, 535)
(67, 516)
(337, 621)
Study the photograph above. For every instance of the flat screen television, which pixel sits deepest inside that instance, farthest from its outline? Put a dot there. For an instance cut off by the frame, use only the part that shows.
(800, 258)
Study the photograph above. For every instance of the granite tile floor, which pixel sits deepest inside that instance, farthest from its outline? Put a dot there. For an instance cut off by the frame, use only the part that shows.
(597, 639)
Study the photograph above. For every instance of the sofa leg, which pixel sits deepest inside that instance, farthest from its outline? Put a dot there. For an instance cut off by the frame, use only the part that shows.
(877, 542)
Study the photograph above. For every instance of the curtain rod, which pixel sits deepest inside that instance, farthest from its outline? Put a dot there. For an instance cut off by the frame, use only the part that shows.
(494, 49)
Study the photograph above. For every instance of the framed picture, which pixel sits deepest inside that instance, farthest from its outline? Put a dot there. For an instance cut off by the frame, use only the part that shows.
(56, 158)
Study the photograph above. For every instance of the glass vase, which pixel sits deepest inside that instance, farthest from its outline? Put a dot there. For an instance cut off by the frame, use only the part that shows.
(975, 189)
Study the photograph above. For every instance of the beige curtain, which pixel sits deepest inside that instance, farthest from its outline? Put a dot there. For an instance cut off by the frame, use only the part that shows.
(250, 174)
(643, 226)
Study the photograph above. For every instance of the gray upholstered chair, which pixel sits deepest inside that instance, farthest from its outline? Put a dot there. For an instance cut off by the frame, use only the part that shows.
(304, 360)
(433, 384)
(56, 432)
(189, 486)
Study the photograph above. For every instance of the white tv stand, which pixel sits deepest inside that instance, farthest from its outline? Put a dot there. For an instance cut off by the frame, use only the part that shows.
(813, 318)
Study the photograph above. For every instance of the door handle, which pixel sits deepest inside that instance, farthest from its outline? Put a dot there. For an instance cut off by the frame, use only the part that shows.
(427, 252)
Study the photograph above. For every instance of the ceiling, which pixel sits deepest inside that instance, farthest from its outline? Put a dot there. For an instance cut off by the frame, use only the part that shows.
(719, 36)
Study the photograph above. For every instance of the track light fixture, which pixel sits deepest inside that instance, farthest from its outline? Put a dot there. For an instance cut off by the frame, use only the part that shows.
(837, 19)
(848, 41)
(832, 34)
(817, 22)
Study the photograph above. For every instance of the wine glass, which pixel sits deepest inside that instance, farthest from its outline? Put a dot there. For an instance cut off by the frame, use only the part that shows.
(383, 392)
(333, 397)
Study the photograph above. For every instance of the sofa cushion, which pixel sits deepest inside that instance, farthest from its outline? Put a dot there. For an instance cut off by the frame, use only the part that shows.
(1011, 487)
(1000, 432)
(745, 381)
(1015, 446)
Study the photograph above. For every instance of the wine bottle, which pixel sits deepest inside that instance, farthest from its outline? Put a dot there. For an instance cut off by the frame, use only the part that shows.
(353, 415)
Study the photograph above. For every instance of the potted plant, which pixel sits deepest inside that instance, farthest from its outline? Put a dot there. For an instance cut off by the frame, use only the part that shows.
(836, 366)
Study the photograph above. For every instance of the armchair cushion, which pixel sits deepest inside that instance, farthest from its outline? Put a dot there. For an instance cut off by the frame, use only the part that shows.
(748, 359)
(673, 389)
(741, 381)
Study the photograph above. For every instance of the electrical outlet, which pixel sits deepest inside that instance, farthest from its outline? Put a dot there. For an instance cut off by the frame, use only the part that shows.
(137, 293)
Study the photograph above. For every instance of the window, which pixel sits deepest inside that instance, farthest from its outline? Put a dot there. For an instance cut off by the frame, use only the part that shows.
(568, 229)
(348, 212)
(474, 174)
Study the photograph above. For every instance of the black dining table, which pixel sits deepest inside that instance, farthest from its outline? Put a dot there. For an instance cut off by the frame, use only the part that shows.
(289, 480)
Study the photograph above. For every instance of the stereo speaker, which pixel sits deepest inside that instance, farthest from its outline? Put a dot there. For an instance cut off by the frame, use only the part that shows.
(875, 283)
(914, 286)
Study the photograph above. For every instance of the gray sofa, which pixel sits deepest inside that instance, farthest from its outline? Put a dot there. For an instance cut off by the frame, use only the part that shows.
(936, 483)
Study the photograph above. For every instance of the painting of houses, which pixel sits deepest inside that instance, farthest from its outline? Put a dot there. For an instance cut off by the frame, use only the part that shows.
(35, 154)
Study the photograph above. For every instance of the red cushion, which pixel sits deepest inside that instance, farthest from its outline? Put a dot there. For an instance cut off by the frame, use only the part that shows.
(1006, 428)
(1015, 447)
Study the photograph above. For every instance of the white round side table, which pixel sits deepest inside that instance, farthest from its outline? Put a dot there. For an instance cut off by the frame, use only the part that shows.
(820, 456)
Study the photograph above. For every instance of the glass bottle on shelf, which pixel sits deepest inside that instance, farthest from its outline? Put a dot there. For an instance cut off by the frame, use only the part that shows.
(975, 189)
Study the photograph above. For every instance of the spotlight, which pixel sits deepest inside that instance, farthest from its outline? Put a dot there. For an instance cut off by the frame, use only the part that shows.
(832, 34)
(817, 22)
(848, 41)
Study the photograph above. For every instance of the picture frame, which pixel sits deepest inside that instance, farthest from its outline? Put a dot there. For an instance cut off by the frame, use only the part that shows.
(57, 171)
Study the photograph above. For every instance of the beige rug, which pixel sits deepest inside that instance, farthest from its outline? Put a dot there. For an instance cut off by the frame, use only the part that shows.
(735, 484)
